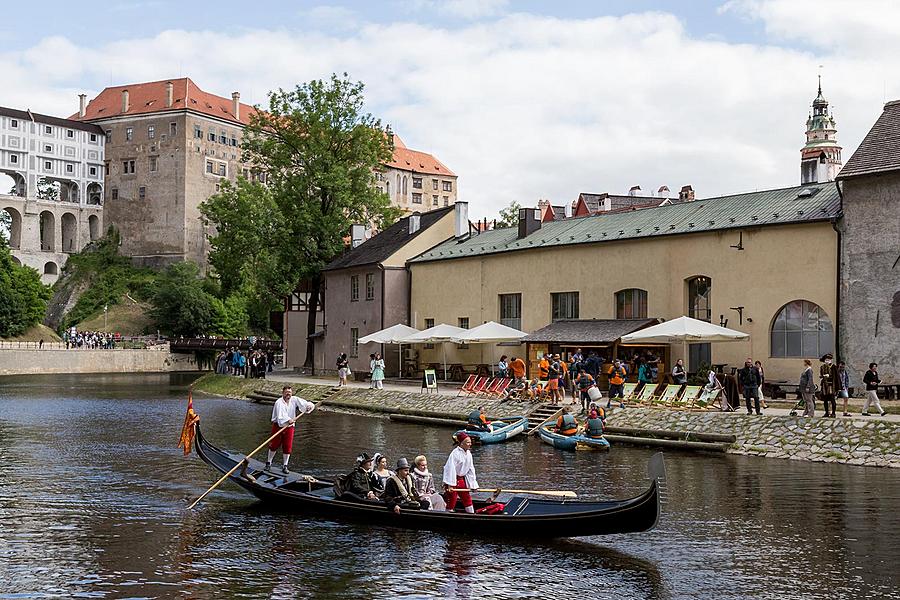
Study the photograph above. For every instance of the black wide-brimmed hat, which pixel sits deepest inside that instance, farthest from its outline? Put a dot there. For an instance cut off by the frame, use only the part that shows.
(363, 458)
(826, 357)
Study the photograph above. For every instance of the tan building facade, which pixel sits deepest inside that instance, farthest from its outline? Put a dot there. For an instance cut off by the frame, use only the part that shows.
(417, 181)
(755, 276)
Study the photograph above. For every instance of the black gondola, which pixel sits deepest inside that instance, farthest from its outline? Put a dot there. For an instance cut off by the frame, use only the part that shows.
(523, 516)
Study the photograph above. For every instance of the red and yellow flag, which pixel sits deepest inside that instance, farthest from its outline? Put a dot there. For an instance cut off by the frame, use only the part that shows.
(187, 430)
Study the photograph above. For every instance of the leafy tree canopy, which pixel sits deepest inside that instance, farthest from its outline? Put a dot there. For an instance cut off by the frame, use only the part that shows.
(180, 304)
(509, 216)
(23, 298)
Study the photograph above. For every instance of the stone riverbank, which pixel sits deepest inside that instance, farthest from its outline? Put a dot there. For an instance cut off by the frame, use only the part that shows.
(872, 442)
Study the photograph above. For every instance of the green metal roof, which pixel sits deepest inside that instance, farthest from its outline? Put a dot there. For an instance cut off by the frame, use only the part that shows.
(801, 204)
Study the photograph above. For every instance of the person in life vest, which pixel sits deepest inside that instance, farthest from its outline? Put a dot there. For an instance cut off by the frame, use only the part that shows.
(584, 382)
(459, 473)
(593, 427)
(566, 424)
(478, 421)
(617, 374)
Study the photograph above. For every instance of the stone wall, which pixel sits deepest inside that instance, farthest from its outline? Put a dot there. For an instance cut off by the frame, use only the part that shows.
(47, 361)
(872, 442)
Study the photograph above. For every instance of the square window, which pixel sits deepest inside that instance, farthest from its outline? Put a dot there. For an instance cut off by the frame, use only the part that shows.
(151, 131)
(70, 133)
(93, 137)
(417, 198)
(223, 139)
(14, 123)
(70, 168)
(233, 141)
(173, 128)
(417, 183)
(48, 166)
(434, 201)
(198, 132)
(154, 163)
(209, 166)
(564, 305)
(446, 200)
(129, 134)
(14, 158)
(511, 310)
(222, 169)
(93, 171)
(448, 186)
(48, 130)
(115, 193)
(48, 148)
(463, 324)
(211, 136)
(142, 193)
(434, 184)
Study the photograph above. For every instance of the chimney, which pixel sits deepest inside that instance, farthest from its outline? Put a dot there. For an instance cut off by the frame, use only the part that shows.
(686, 194)
(663, 191)
(529, 221)
(236, 105)
(461, 219)
(635, 190)
(82, 105)
(124, 101)
(170, 93)
(415, 221)
(357, 235)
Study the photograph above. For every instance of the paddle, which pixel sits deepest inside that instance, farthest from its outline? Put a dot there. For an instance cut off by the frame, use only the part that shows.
(244, 462)
(563, 493)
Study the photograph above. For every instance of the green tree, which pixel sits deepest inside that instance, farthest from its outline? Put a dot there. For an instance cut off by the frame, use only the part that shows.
(23, 298)
(180, 304)
(509, 216)
(319, 153)
(47, 189)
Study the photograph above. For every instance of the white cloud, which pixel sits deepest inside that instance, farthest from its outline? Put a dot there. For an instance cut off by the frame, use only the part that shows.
(521, 107)
(464, 9)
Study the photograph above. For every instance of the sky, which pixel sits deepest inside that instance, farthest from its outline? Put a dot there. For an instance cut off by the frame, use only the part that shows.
(521, 99)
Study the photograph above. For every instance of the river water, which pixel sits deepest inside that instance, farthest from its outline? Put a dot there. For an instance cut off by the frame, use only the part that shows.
(93, 495)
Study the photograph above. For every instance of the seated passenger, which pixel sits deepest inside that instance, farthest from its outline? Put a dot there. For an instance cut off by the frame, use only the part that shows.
(380, 473)
(400, 490)
(358, 484)
(424, 482)
(593, 427)
(566, 424)
(478, 422)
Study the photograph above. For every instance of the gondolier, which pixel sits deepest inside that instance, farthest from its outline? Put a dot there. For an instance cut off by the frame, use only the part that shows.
(284, 412)
(459, 472)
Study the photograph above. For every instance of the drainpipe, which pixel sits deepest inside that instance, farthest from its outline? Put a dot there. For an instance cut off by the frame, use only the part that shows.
(837, 291)
(383, 277)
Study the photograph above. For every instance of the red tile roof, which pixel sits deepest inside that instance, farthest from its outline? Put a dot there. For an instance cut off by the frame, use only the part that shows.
(419, 162)
(145, 98)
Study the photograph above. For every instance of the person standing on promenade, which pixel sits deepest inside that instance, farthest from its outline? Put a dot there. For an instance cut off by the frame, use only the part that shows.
(517, 365)
(843, 385)
(342, 369)
(616, 375)
(284, 411)
(762, 380)
(459, 472)
(679, 375)
(807, 389)
(750, 382)
(871, 379)
(378, 372)
(828, 381)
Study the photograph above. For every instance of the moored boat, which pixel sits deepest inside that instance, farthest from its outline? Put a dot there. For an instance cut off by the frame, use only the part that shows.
(504, 429)
(521, 516)
(572, 442)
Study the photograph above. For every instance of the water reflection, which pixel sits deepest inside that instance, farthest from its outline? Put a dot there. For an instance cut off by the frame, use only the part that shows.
(93, 491)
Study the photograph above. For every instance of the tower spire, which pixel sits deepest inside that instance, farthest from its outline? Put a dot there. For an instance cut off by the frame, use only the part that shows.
(820, 157)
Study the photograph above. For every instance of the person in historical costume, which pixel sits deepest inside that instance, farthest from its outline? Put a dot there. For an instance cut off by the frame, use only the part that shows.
(424, 482)
(358, 483)
(400, 490)
(828, 382)
(378, 372)
(807, 389)
(459, 472)
(284, 412)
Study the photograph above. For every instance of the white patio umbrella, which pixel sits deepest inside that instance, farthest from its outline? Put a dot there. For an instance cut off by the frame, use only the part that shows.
(491, 333)
(685, 330)
(391, 335)
(439, 334)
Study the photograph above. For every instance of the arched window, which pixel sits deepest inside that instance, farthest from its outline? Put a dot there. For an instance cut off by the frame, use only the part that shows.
(801, 329)
(404, 185)
(631, 304)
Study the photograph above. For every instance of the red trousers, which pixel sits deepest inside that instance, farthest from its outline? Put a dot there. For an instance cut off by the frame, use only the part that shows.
(466, 497)
(284, 440)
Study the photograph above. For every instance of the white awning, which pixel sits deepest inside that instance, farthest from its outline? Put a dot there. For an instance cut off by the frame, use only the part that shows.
(491, 332)
(685, 330)
(435, 335)
(391, 335)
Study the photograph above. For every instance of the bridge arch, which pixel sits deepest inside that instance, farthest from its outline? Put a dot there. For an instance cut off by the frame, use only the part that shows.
(69, 231)
(94, 227)
(14, 232)
(48, 231)
(95, 194)
(50, 268)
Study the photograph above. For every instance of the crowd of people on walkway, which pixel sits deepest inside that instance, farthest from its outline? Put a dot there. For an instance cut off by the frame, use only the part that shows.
(90, 340)
(251, 364)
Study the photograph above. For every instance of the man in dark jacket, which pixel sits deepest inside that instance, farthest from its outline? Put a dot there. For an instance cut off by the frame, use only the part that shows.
(358, 485)
(750, 382)
(400, 490)
(828, 376)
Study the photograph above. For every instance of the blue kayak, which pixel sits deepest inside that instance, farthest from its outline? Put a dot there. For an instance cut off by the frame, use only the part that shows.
(503, 430)
(572, 442)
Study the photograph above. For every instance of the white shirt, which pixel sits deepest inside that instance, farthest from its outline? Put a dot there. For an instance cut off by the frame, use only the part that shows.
(460, 464)
(283, 411)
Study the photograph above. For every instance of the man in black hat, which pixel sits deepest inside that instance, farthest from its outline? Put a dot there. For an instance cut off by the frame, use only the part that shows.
(828, 377)
(400, 490)
(358, 485)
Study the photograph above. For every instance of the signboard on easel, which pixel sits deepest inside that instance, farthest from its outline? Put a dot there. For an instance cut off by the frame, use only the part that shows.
(429, 380)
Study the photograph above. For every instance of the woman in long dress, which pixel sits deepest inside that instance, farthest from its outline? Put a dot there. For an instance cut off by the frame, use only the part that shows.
(378, 372)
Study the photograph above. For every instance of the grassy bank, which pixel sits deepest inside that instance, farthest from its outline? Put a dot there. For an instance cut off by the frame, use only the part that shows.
(238, 387)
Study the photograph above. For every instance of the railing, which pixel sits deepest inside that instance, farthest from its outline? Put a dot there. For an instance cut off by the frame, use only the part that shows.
(185, 344)
(122, 343)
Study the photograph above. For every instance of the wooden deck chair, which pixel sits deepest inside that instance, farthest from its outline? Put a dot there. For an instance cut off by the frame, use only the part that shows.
(491, 387)
(688, 396)
(467, 386)
(500, 391)
(628, 391)
(478, 386)
(645, 395)
(706, 398)
(668, 397)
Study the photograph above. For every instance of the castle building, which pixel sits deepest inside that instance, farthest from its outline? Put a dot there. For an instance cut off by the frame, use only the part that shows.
(820, 157)
(170, 145)
(54, 204)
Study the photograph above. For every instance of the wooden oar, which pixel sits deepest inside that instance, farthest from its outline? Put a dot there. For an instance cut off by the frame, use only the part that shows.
(244, 461)
(563, 493)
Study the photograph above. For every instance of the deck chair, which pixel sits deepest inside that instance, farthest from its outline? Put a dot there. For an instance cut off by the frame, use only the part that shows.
(688, 396)
(706, 398)
(645, 395)
(501, 389)
(478, 386)
(668, 397)
(467, 386)
(628, 391)
(491, 387)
